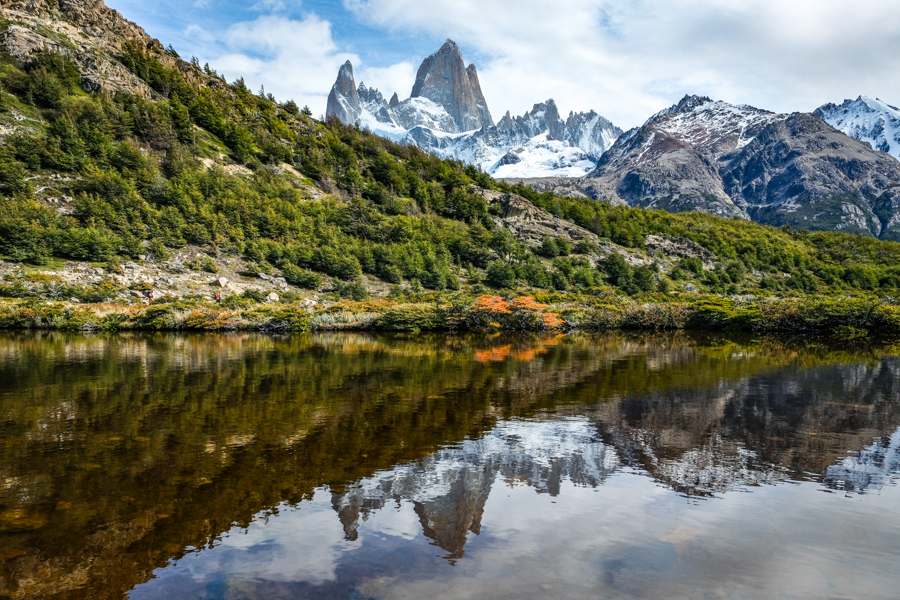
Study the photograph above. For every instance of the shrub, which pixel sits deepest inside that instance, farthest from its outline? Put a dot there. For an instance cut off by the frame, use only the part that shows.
(158, 251)
(411, 317)
(501, 274)
(301, 277)
(351, 291)
(208, 264)
(344, 266)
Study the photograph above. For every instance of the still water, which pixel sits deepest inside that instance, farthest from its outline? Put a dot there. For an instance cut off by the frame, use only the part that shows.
(242, 467)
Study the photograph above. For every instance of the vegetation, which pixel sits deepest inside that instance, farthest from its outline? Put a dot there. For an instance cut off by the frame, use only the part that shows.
(236, 173)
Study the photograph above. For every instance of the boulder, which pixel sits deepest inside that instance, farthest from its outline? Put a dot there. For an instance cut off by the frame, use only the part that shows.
(273, 297)
(221, 282)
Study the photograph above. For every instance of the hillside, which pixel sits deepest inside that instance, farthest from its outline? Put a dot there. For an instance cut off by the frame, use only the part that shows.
(165, 174)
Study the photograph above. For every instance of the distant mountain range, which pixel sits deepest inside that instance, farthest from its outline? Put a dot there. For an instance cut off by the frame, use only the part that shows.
(834, 169)
(447, 114)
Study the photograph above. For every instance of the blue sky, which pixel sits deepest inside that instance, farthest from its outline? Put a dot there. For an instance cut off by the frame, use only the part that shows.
(624, 58)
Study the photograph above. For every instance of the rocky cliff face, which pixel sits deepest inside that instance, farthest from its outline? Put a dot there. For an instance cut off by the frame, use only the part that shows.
(448, 115)
(444, 79)
(88, 31)
(343, 101)
(739, 161)
(867, 120)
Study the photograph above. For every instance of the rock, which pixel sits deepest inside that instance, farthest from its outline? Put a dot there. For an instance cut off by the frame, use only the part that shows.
(444, 79)
(142, 257)
(264, 277)
(221, 282)
(280, 280)
(529, 223)
(137, 294)
(74, 300)
(273, 297)
(343, 101)
(679, 247)
(89, 32)
(395, 101)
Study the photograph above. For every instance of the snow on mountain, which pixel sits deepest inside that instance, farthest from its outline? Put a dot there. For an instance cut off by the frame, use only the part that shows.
(867, 120)
(445, 105)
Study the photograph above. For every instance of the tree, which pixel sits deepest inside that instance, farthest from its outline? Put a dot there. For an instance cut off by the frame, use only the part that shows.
(501, 274)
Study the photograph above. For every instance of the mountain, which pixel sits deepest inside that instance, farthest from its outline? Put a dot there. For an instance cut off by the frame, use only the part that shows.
(867, 120)
(443, 79)
(448, 115)
(740, 161)
(89, 32)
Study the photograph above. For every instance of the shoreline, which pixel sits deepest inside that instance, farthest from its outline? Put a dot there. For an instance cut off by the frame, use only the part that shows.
(846, 316)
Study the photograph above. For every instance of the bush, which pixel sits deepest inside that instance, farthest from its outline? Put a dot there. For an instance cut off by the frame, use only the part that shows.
(501, 274)
(344, 266)
(158, 251)
(644, 278)
(254, 295)
(208, 264)
(411, 317)
(351, 291)
(617, 271)
(300, 277)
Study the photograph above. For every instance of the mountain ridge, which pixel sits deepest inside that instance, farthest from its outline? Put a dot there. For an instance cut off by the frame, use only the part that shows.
(447, 114)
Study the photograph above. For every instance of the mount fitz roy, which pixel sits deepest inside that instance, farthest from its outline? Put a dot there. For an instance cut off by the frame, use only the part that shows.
(448, 115)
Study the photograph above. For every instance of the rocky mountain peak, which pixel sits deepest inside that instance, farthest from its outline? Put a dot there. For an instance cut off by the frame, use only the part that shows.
(689, 103)
(343, 101)
(444, 79)
(395, 101)
(872, 121)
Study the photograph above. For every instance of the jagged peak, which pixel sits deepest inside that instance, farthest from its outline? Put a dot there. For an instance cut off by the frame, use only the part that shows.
(690, 102)
(346, 71)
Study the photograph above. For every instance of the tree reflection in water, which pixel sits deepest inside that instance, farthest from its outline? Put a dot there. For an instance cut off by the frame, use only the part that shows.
(120, 453)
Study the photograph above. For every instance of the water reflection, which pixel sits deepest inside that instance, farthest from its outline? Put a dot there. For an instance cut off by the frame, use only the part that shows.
(340, 465)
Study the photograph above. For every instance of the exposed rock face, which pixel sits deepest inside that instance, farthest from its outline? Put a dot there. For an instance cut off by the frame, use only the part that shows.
(444, 79)
(87, 31)
(530, 225)
(867, 120)
(679, 247)
(447, 99)
(739, 161)
(571, 187)
(343, 101)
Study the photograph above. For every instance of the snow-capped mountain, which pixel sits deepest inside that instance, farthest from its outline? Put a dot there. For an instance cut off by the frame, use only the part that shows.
(740, 161)
(867, 120)
(447, 114)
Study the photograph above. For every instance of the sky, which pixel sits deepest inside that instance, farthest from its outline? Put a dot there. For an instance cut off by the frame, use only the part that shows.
(626, 59)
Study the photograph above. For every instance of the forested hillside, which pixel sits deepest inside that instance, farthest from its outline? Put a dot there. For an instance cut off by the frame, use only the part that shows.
(112, 176)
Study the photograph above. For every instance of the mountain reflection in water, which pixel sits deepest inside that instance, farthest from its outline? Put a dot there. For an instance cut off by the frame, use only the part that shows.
(356, 466)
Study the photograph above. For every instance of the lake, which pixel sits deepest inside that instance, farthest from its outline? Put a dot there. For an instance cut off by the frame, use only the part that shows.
(239, 467)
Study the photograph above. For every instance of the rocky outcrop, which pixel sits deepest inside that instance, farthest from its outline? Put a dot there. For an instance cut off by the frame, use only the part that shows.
(566, 187)
(740, 161)
(444, 79)
(87, 31)
(343, 101)
(679, 247)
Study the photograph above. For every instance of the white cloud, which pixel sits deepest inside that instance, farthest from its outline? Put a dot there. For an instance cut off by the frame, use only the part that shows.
(396, 78)
(293, 59)
(629, 59)
(268, 6)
